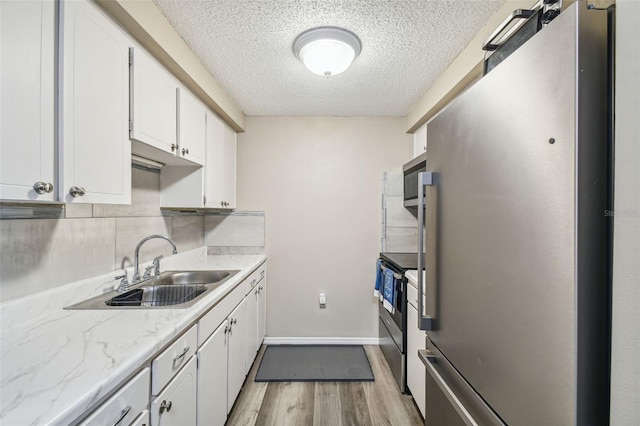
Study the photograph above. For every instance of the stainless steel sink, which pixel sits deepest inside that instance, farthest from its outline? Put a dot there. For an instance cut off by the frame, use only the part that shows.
(191, 277)
(172, 289)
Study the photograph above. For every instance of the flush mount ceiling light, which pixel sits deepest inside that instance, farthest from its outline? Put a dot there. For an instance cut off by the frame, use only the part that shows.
(327, 51)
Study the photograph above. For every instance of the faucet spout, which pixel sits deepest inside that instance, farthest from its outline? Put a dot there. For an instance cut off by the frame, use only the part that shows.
(136, 273)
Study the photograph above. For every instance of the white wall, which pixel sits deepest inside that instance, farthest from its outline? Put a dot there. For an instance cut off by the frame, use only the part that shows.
(318, 180)
(625, 380)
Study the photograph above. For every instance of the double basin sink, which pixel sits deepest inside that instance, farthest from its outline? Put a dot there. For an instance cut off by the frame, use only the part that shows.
(171, 289)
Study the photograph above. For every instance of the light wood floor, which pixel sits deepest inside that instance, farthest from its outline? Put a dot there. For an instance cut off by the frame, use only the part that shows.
(326, 403)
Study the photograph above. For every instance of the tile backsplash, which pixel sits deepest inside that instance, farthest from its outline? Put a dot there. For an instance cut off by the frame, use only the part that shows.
(93, 239)
(399, 225)
(39, 254)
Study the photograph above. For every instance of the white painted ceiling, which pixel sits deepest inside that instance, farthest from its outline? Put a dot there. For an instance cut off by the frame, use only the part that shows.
(406, 44)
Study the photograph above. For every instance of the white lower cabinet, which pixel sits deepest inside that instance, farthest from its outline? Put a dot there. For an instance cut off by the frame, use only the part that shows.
(252, 325)
(237, 352)
(143, 419)
(262, 307)
(199, 390)
(212, 378)
(176, 404)
(125, 405)
(415, 342)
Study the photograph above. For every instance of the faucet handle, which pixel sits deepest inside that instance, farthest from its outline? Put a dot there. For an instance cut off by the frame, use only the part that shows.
(147, 272)
(156, 265)
(124, 282)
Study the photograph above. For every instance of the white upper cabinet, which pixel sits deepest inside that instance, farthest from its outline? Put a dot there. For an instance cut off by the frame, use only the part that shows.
(420, 141)
(94, 146)
(153, 103)
(192, 127)
(220, 180)
(27, 34)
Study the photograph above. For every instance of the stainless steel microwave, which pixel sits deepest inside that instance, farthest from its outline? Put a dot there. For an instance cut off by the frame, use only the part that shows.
(411, 170)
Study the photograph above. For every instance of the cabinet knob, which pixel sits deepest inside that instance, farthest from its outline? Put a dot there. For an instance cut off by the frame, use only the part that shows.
(165, 406)
(173, 147)
(43, 187)
(185, 151)
(77, 191)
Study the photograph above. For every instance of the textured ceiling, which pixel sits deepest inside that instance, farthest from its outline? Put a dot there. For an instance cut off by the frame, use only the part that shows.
(406, 44)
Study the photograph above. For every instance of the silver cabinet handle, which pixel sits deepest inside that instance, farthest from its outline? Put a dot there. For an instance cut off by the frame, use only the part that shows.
(123, 414)
(185, 151)
(165, 406)
(428, 359)
(184, 352)
(173, 147)
(234, 320)
(43, 187)
(77, 191)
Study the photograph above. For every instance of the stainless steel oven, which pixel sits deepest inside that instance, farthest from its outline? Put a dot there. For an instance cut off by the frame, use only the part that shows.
(392, 327)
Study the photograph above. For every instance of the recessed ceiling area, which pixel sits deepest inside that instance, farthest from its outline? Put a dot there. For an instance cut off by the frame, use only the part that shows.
(247, 46)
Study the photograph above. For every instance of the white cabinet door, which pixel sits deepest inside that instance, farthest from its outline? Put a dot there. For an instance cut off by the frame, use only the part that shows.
(415, 368)
(95, 151)
(262, 311)
(212, 379)
(237, 352)
(420, 141)
(176, 404)
(125, 405)
(192, 127)
(27, 37)
(153, 103)
(221, 164)
(252, 327)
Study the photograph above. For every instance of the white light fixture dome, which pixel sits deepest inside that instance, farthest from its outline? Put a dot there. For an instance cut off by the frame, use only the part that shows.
(327, 51)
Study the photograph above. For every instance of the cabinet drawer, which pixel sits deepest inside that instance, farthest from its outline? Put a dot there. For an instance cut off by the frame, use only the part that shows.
(261, 272)
(125, 405)
(169, 362)
(212, 319)
(412, 295)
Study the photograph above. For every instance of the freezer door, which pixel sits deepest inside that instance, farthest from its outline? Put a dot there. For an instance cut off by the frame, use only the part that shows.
(450, 400)
(516, 231)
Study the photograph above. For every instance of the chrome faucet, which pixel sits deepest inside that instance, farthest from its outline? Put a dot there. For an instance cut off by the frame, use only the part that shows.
(136, 261)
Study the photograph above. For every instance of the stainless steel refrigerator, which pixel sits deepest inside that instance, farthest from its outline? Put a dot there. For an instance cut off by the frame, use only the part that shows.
(517, 246)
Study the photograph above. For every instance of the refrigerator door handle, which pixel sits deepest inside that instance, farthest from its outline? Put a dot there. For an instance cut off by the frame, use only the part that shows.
(425, 322)
(428, 359)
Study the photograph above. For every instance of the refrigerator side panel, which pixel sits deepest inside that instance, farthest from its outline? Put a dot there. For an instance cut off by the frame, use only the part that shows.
(593, 228)
(502, 251)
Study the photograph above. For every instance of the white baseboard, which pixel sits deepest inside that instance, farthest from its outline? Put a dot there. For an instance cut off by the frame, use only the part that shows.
(321, 341)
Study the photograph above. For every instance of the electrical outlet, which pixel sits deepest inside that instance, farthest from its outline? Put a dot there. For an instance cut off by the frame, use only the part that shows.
(323, 300)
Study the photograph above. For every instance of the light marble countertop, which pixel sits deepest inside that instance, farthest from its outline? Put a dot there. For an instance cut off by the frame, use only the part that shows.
(56, 364)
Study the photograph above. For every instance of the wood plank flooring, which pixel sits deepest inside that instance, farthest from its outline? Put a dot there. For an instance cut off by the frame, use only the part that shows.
(374, 403)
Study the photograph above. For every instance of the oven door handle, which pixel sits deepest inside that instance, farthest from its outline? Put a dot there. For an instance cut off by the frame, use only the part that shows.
(425, 321)
(395, 274)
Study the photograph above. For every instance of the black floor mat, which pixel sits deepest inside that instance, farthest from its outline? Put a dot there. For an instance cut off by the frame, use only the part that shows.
(314, 363)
